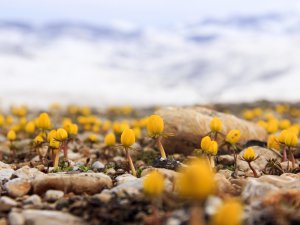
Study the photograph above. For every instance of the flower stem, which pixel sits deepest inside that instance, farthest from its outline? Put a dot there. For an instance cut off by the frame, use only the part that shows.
(65, 149)
(56, 159)
(130, 162)
(196, 215)
(253, 170)
(284, 156)
(161, 148)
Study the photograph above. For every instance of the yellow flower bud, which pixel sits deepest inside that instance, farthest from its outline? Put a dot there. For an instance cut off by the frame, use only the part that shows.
(213, 148)
(51, 134)
(291, 139)
(155, 125)
(61, 134)
(196, 181)
(262, 124)
(127, 138)
(282, 136)
(73, 129)
(205, 143)
(44, 122)
(2, 120)
(11, 135)
(9, 120)
(273, 142)
(54, 143)
(106, 125)
(284, 124)
(38, 140)
(153, 184)
(233, 136)
(249, 154)
(229, 213)
(272, 126)
(93, 138)
(110, 139)
(216, 124)
(137, 132)
(30, 127)
(248, 114)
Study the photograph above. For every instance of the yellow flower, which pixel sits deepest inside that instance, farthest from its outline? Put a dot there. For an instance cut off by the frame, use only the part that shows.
(106, 125)
(93, 138)
(155, 125)
(229, 213)
(30, 127)
(127, 138)
(216, 124)
(73, 129)
(51, 134)
(233, 136)
(196, 181)
(137, 132)
(11, 135)
(262, 124)
(2, 120)
(43, 121)
(249, 154)
(284, 124)
(61, 134)
(291, 139)
(257, 111)
(205, 143)
(9, 120)
(248, 114)
(110, 139)
(272, 126)
(213, 148)
(153, 184)
(22, 122)
(54, 143)
(282, 136)
(273, 142)
(38, 140)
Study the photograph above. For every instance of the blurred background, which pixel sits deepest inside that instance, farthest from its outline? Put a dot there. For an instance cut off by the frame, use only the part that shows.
(148, 52)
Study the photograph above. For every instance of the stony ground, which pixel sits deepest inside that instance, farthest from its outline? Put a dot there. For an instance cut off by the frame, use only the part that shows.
(95, 185)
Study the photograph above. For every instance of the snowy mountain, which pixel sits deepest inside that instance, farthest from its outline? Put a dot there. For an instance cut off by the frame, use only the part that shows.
(232, 59)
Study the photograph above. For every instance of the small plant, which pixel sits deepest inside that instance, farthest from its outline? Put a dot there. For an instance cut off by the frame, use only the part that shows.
(215, 127)
(62, 137)
(195, 183)
(11, 136)
(43, 122)
(127, 140)
(250, 156)
(210, 149)
(110, 140)
(155, 127)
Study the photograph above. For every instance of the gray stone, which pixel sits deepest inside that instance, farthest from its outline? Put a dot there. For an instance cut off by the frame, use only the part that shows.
(16, 218)
(28, 173)
(5, 174)
(33, 200)
(97, 166)
(17, 187)
(79, 183)
(53, 195)
(124, 178)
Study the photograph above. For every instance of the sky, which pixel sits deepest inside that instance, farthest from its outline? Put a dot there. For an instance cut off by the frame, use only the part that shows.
(137, 12)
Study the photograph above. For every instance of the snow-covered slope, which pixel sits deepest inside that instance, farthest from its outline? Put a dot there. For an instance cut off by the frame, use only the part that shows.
(234, 59)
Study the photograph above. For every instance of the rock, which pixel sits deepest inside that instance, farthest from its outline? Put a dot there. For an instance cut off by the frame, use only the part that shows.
(260, 163)
(226, 173)
(46, 217)
(90, 183)
(258, 187)
(17, 187)
(103, 197)
(16, 218)
(223, 185)
(189, 124)
(131, 188)
(74, 156)
(6, 174)
(97, 166)
(7, 203)
(226, 160)
(124, 178)
(3, 221)
(53, 195)
(211, 205)
(4, 166)
(28, 173)
(111, 171)
(33, 200)
(171, 175)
